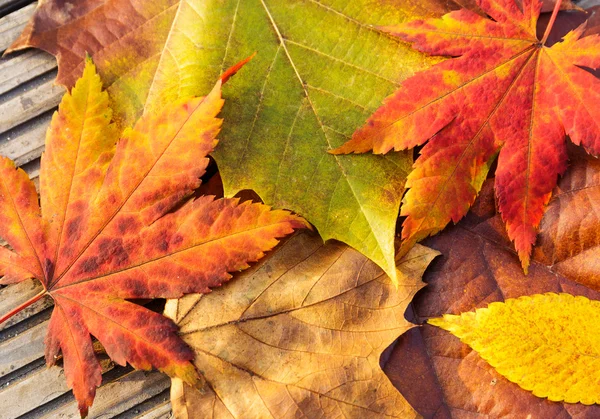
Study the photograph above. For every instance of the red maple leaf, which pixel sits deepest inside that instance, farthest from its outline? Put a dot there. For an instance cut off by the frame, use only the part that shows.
(504, 92)
(117, 223)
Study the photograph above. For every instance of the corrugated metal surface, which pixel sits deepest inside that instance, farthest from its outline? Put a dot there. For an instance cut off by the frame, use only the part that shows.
(28, 97)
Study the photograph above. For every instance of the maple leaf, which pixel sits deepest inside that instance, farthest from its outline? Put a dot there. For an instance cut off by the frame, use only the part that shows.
(117, 224)
(299, 334)
(308, 90)
(505, 92)
(546, 343)
(430, 367)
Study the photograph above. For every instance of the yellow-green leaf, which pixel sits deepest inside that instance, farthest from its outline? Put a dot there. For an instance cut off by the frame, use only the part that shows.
(547, 343)
(322, 67)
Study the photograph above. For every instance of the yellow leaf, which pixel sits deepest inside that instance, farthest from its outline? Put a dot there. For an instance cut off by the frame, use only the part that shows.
(548, 343)
(298, 335)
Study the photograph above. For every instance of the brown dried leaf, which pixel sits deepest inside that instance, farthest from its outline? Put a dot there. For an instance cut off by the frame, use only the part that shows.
(300, 334)
(440, 376)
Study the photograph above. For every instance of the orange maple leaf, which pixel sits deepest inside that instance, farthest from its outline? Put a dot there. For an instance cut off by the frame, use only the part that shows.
(504, 91)
(116, 223)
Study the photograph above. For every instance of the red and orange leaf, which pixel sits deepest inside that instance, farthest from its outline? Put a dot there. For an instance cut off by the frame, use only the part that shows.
(79, 147)
(505, 93)
(20, 225)
(118, 222)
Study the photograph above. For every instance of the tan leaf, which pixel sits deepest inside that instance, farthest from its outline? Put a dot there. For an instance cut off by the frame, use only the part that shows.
(300, 334)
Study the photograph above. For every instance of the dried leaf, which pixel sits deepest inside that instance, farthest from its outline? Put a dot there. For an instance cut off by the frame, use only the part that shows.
(117, 224)
(505, 94)
(440, 376)
(546, 343)
(300, 334)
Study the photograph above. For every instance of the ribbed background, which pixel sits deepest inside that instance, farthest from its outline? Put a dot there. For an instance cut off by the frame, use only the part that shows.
(28, 389)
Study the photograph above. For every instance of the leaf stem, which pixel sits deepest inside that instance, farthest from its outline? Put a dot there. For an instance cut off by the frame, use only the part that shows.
(22, 306)
(552, 20)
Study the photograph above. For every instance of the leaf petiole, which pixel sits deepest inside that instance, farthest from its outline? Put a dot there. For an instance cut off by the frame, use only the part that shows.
(22, 306)
(551, 23)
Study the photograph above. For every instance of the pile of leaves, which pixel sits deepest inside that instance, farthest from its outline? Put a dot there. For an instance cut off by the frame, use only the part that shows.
(483, 95)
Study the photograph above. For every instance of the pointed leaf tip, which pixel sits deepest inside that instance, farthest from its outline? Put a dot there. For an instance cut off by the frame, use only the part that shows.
(232, 71)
